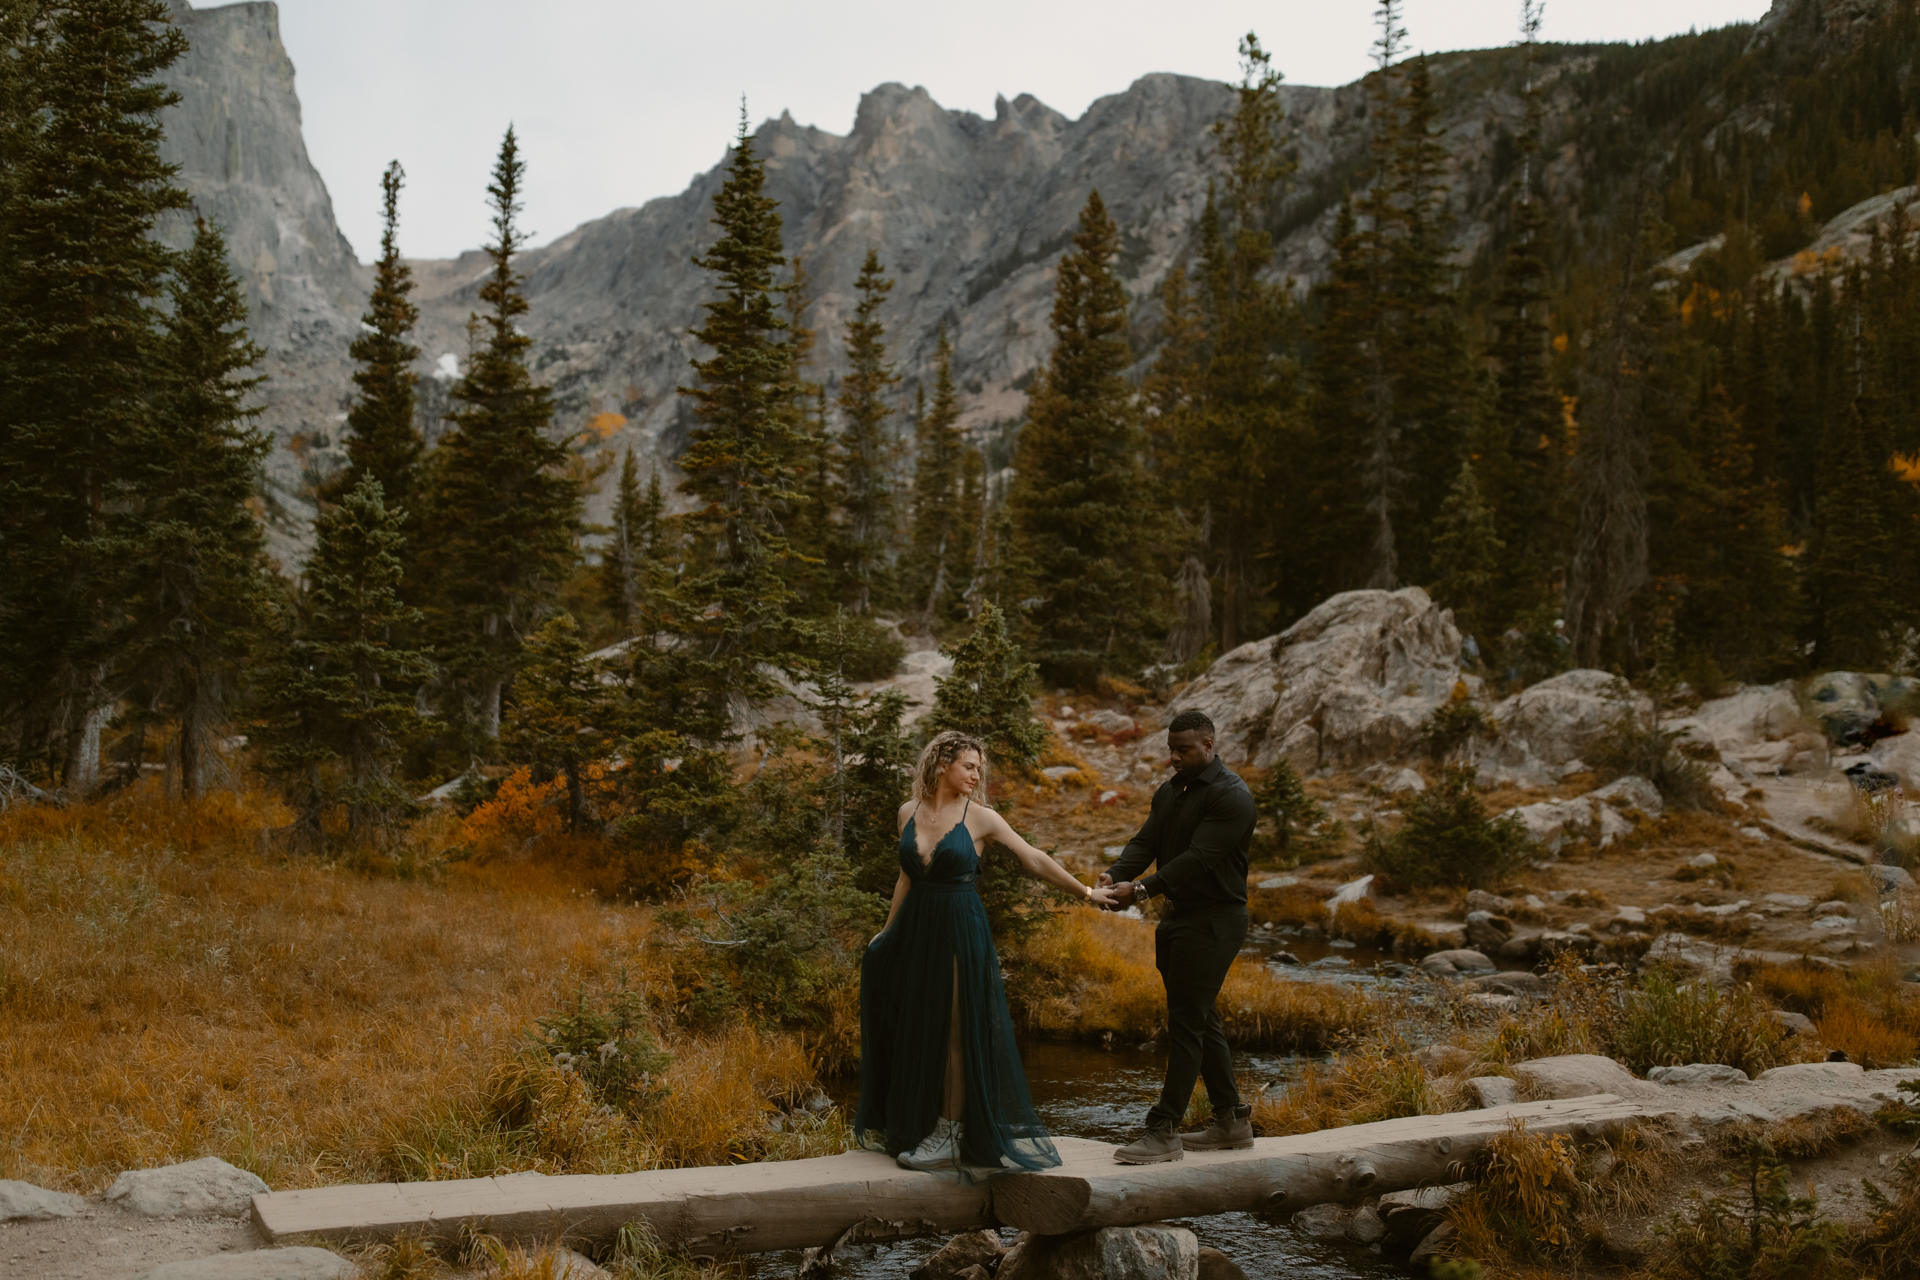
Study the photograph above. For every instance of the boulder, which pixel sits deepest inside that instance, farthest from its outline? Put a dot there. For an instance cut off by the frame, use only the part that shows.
(1751, 718)
(1323, 1221)
(1900, 756)
(970, 1248)
(1410, 1215)
(1632, 793)
(204, 1188)
(1530, 986)
(1111, 1253)
(1481, 900)
(1365, 1227)
(1493, 1091)
(20, 1201)
(1111, 722)
(1351, 891)
(1846, 702)
(1796, 1024)
(1888, 878)
(1559, 720)
(1445, 964)
(1576, 1075)
(1215, 1265)
(1404, 782)
(1347, 685)
(298, 1263)
(1696, 1073)
(1486, 931)
(1433, 1246)
(1815, 1074)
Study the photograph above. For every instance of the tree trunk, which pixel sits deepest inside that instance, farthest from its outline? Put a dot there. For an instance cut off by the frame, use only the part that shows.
(82, 773)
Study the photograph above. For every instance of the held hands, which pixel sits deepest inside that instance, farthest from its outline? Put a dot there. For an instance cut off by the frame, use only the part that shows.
(1110, 897)
(1101, 896)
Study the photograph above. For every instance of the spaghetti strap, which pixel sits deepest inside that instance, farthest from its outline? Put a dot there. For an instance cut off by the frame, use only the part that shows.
(968, 809)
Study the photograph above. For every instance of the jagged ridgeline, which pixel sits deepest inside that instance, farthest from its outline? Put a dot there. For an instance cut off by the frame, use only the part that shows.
(1608, 345)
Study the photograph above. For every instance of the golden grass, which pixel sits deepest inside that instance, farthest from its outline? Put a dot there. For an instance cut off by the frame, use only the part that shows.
(1090, 973)
(1380, 1079)
(1865, 1011)
(167, 994)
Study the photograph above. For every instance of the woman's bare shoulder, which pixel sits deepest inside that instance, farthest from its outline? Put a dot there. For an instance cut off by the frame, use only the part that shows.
(905, 811)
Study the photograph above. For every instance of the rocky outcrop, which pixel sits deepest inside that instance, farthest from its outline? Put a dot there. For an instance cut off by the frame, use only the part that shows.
(22, 1201)
(300, 1262)
(236, 135)
(1601, 816)
(203, 1188)
(1347, 685)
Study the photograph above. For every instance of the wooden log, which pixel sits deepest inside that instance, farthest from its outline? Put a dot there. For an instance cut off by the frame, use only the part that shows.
(786, 1204)
(1344, 1164)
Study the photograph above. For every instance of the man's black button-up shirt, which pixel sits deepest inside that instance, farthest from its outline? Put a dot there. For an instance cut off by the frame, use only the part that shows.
(1198, 832)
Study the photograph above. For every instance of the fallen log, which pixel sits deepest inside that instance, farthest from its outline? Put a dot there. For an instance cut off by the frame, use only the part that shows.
(751, 1208)
(1287, 1174)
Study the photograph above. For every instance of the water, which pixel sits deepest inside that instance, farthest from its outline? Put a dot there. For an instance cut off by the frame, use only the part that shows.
(1086, 1091)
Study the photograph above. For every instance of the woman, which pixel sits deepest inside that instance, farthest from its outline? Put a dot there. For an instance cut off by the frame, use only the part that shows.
(940, 1078)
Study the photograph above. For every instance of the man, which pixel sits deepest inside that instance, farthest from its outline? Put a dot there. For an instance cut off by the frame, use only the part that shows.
(1198, 833)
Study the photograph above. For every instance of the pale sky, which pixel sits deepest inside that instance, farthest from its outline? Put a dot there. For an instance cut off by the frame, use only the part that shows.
(619, 101)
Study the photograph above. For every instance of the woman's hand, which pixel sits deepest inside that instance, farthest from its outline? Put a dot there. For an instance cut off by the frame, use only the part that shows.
(1103, 897)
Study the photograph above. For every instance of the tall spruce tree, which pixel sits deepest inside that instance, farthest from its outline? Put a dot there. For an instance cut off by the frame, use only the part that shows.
(333, 684)
(635, 566)
(502, 512)
(936, 566)
(382, 439)
(1467, 551)
(84, 185)
(734, 606)
(559, 718)
(1236, 449)
(1609, 562)
(1525, 449)
(1079, 489)
(863, 453)
(184, 544)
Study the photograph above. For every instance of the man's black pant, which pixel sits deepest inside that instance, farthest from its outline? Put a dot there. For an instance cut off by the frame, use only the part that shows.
(1193, 951)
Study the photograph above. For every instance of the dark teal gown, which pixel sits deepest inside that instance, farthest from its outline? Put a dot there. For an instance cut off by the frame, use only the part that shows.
(907, 981)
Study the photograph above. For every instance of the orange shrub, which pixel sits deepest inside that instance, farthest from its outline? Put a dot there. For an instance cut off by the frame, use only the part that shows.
(520, 812)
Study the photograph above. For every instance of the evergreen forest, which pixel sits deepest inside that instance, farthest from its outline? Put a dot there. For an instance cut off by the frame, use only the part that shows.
(1596, 450)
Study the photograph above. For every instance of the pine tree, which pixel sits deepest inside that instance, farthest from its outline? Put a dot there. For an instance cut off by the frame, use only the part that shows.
(1079, 489)
(1609, 563)
(1526, 447)
(1849, 577)
(85, 184)
(502, 512)
(1467, 552)
(868, 761)
(1236, 451)
(382, 440)
(185, 546)
(741, 463)
(1294, 810)
(936, 563)
(333, 687)
(989, 694)
(636, 565)
(863, 456)
(558, 721)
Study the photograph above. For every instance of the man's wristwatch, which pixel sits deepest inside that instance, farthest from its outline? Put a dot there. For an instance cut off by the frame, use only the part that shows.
(1140, 891)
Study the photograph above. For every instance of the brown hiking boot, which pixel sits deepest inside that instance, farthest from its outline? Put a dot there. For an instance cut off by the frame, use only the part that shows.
(1159, 1145)
(1231, 1132)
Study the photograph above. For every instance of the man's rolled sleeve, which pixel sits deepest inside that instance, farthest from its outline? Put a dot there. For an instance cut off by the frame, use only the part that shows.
(1230, 815)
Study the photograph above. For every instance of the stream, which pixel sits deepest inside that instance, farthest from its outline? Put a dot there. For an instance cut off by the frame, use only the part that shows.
(1085, 1091)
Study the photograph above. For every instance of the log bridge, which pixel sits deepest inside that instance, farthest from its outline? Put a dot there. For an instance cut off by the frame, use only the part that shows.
(861, 1195)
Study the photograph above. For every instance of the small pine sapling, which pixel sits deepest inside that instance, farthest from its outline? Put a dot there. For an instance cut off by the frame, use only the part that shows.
(1295, 813)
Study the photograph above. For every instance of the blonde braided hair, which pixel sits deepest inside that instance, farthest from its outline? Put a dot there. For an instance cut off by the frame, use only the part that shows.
(938, 756)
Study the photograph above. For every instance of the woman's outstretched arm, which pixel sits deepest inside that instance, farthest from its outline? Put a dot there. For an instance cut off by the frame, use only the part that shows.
(1039, 864)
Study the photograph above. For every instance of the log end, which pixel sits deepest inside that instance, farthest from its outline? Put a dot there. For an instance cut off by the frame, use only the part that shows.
(1048, 1204)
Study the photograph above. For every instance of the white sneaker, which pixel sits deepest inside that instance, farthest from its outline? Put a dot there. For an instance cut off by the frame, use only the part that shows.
(938, 1150)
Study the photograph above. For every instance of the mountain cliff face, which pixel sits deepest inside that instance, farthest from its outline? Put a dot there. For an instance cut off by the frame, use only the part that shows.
(968, 214)
(236, 135)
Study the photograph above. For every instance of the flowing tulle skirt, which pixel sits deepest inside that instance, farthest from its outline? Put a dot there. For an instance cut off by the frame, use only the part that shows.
(908, 980)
